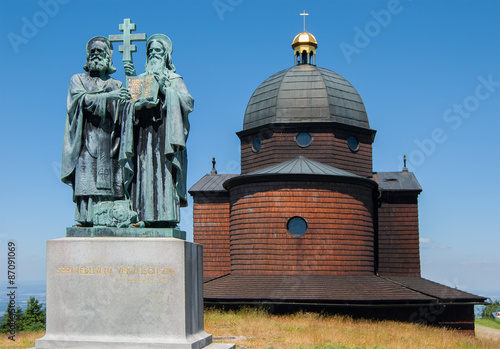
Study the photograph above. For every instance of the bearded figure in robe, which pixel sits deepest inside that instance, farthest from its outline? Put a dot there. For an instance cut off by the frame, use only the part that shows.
(92, 133)
(161, 128)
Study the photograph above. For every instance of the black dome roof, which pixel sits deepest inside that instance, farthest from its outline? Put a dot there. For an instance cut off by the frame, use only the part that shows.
(305, 93)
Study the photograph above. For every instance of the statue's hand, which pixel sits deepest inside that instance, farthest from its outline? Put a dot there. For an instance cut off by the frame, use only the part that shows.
(163, 81)
(147, 103)
(121, 93)
(129, 68)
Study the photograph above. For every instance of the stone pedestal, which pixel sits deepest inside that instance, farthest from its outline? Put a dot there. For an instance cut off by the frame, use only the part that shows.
(99, 232)
(124, 293)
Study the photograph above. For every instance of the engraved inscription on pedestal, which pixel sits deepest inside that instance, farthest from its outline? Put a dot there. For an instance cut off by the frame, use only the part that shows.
(124, 292)
(121, 274)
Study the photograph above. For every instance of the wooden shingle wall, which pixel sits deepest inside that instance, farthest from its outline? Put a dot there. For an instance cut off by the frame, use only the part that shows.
(339, 239)
(211, 229)
(398, 238)
(329, 146)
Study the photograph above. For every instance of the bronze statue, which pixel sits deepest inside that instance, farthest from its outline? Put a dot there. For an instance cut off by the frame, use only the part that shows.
(124, 149)
(161, 128)
(92, 133)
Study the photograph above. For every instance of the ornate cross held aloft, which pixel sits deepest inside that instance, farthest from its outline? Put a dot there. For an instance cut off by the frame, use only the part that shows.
(127, 37)
(302, 14)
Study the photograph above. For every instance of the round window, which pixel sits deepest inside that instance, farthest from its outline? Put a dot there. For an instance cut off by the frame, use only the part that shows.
(353, 143)
(256, 144)
(296, 226)
(303, 139)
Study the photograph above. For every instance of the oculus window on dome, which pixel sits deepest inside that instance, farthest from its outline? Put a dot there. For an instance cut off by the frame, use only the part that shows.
(303, 139)
(296, 226)
(353, 143)
(256, 144)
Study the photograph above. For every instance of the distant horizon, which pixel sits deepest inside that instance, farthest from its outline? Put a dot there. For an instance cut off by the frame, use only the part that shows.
(479, 292)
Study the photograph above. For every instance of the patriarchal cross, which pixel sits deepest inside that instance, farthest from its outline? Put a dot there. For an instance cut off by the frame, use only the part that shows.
(302, 14)
(127, 37)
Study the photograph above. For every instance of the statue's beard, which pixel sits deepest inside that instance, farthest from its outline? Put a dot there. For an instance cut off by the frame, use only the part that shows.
(155, 65)
(97, 64)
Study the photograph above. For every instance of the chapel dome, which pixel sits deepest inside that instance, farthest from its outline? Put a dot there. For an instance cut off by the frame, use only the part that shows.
(305, 93)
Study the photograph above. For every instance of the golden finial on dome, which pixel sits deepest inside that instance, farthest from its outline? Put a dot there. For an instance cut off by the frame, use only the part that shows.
(304, 45)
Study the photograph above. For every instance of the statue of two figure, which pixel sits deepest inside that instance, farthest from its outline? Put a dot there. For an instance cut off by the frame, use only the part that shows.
(126, 159)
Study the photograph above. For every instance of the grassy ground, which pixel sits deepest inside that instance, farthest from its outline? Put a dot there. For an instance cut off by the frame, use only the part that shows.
(488, 323)
(23, 340)
(253, 329)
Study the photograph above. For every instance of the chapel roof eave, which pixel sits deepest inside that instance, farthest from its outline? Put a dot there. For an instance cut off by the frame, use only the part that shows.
(403, 182)
(334, 289)
(281, 126)
(211, 183)
(296, 177)
(300, 169)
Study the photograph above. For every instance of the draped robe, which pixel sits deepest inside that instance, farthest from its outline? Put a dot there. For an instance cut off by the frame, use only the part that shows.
(155, 155)
(91, 144)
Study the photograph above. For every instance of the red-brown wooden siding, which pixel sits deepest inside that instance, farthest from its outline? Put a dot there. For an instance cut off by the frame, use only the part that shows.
(339, 240)
(211, 229)
(328, 147)
(359, 162)
(398, 240)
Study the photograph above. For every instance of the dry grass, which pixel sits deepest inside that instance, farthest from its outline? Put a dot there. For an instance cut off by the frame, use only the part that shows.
(23, 340)
(249, 328)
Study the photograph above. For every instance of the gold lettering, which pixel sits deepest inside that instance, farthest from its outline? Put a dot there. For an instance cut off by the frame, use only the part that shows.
(122, 271)
(167, 271)
(82, 270)
(126, 271)
(148, 271)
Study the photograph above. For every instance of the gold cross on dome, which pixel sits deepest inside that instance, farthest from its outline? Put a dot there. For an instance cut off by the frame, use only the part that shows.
(304, 14)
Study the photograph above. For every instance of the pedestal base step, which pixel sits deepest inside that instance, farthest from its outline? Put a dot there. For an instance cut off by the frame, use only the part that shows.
(98, 232)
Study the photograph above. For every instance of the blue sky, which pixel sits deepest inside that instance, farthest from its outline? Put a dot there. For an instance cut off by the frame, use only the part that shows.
(428, 73)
